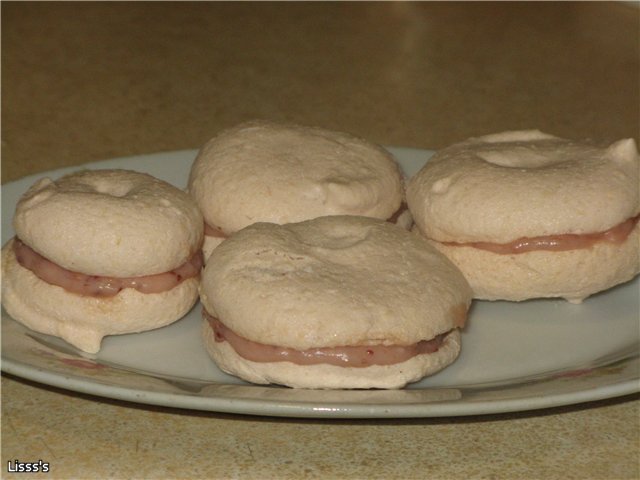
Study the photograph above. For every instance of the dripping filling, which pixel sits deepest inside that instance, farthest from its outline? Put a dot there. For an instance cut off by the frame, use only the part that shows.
(216, 232)
(102, 286)
(345, 356)
(556, 243)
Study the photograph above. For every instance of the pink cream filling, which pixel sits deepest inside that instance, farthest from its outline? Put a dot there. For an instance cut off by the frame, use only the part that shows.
(215, 232)
(394, 218)
(556, 243)
(347, 356)
(99, 286)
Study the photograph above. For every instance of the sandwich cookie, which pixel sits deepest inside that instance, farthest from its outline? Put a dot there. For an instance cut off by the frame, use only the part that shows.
(279, 173)
(102, 252)
(332, 302)
(527, 215)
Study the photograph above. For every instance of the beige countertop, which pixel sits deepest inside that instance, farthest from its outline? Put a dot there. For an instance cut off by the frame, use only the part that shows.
(90, 81)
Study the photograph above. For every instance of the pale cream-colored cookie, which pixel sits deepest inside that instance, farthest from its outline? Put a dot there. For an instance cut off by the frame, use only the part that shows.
(329, 283)
(210, 243)
(524, 214)
(270, 172)
(109, 222)
(102, 252)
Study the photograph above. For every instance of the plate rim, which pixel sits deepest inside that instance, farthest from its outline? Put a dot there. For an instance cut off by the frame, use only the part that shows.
(297, 409)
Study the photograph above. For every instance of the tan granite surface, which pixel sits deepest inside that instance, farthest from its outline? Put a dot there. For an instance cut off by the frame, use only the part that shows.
(89, 81)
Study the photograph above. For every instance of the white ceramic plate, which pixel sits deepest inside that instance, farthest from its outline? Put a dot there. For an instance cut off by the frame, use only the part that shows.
(515, 356)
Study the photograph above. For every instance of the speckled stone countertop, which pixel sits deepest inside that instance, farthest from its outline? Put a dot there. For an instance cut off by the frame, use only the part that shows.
(89, 81)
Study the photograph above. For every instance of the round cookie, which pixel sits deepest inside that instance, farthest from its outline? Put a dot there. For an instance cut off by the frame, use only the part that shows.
(102, 252)
(525, 214)
(280, 173)
(333, 302)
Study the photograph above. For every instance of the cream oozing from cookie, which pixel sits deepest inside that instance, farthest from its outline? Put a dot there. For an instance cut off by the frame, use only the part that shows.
(356, 356)
(399, 217)
(83, 320)
(557, 243)
(100, 286)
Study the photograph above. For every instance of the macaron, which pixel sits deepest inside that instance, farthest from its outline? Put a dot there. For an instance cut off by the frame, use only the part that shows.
(102, 252)
(336, 302)
(525, 214)
(262, 171)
